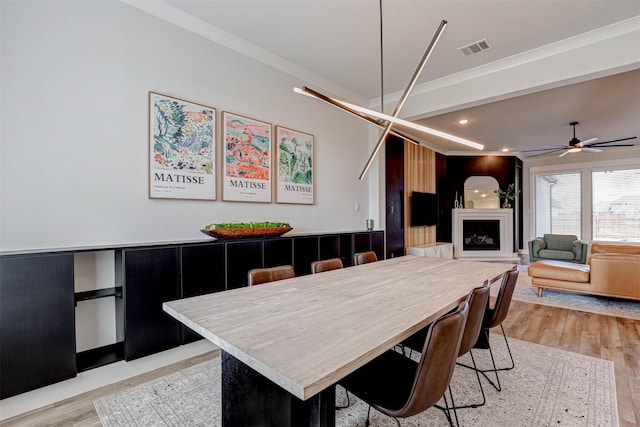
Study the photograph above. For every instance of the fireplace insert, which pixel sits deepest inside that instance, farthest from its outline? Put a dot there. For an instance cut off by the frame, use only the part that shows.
(481, 235)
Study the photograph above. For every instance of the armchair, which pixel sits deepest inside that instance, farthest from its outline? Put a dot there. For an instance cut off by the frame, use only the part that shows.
(561, 247)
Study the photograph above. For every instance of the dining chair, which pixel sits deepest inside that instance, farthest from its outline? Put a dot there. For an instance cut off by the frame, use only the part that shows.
(478, 299)
(493, 317)
(364, 258)
(326, 265)
(400, 387)
(258, 276)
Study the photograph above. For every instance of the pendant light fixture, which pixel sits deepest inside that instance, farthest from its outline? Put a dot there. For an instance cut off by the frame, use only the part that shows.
(387, 121)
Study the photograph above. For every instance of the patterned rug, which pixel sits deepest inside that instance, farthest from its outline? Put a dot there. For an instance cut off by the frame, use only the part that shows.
(572, 300)
(547, 387)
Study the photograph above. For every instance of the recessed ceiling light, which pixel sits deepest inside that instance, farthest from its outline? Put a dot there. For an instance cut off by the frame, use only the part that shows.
(483, 195)
(463, 121)
(504, 150)
(475, 191)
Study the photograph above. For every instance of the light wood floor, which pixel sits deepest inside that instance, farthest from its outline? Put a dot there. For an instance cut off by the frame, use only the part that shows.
(606, 337)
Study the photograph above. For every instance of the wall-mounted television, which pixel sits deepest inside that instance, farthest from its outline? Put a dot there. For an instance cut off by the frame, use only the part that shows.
(424, 209)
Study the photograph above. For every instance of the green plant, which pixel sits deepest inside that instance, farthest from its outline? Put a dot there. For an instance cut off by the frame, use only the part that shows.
(510, 194)
(266, 224)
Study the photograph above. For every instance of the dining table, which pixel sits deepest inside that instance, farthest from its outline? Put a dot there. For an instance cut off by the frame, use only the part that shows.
(286, 344)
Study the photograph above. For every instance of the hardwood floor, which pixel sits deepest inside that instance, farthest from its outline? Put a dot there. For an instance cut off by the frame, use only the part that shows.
(606, 337)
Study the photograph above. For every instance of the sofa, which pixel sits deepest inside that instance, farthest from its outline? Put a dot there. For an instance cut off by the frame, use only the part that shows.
(611, 270)
(561, 247)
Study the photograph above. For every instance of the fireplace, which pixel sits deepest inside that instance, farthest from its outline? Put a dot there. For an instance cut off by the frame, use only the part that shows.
(483, 235)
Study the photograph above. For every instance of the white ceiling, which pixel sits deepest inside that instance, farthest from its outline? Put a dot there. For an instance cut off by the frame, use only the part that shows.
(336, 44)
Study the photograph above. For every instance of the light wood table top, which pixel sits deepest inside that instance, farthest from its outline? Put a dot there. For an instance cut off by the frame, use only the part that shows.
(308, 332)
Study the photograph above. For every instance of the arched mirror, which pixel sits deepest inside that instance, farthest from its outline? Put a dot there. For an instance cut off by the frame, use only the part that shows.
(479, 193)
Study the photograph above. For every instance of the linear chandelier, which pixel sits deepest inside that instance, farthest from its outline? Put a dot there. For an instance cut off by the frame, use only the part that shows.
(386, 121)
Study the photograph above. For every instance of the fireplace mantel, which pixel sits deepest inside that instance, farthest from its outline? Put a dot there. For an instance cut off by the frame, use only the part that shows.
(504, 218)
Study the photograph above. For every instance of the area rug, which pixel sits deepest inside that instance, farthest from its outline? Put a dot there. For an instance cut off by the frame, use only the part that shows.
(571, 300)
(547, 387)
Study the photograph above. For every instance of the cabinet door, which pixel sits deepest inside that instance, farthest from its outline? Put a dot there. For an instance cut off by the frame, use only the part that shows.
(361, 242)
(242, 256)
(37, 337)
(305, 251)
(278, 251)
(202, 272)
(329, 246)
(377, 243)
(150, 278)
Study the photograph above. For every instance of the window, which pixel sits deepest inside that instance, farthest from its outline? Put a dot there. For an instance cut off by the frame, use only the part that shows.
(616, 205)
(558, 204)
(596, 201)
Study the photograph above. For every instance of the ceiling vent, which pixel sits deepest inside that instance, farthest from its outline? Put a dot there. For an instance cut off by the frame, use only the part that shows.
(475, 47)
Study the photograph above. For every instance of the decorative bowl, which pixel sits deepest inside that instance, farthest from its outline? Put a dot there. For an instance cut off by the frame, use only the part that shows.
(241, 233)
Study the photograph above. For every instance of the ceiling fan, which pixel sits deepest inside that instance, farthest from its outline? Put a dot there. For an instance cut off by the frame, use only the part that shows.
(591, 145)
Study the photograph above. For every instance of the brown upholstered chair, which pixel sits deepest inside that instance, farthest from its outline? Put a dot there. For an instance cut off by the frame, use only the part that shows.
(258, 276)
(326, 265)
(364, 258)
(478, 300)
(493, 317)
(400, 387)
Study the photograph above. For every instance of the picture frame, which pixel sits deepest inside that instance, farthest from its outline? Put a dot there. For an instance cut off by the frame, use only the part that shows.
(295, 166)
(247, 159)
(182, 149)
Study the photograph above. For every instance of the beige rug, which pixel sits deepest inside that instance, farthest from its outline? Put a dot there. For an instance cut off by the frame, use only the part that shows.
(571, 300)
(547, 387)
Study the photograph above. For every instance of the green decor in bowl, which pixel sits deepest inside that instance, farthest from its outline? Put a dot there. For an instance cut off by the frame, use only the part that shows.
(239, 230)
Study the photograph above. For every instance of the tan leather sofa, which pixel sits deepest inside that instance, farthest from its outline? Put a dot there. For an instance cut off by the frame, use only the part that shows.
(611, 270)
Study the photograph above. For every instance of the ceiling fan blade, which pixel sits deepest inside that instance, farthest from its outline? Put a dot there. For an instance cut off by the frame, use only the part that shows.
(617, 145)
(614, 140)
(550, 148)
(589, 142)
(564, 154)
(548, 152)
(591, 150)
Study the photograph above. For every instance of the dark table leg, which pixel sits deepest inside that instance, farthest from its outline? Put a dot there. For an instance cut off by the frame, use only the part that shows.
(251, 400)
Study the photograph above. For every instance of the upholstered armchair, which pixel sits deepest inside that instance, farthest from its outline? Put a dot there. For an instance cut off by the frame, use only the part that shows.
(561, 247)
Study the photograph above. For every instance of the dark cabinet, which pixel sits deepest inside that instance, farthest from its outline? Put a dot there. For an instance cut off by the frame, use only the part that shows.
(37, 314)
(278, 251)
(150, 278)
(202, 272)
(377, 243)
(37, 322)
(361, 242)
(329, 246)
(242, 256)
(305, 251)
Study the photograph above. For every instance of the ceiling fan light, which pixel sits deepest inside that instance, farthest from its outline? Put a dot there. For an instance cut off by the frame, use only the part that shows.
(575, 150)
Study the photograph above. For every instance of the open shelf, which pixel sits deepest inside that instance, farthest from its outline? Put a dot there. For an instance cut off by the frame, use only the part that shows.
(99, 293)
(100, 356)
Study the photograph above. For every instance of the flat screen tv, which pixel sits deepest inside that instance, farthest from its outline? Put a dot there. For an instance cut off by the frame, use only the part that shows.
(424, 209)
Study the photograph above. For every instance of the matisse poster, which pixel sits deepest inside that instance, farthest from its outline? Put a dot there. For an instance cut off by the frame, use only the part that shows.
(295, 166)
(247, 159)
(182, 149)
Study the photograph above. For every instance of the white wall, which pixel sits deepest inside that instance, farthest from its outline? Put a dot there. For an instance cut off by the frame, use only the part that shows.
(74, 80)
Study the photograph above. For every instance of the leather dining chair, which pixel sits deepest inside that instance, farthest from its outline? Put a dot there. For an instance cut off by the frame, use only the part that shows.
(400, 387)
(258, 276)
(326, 265)
(493, 317)
(478, 300)
(364, 258)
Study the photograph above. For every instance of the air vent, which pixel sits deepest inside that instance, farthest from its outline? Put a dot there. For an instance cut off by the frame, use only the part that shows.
(476, 47)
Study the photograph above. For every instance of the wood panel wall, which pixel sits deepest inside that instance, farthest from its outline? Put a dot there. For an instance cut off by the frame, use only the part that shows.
(419, 175)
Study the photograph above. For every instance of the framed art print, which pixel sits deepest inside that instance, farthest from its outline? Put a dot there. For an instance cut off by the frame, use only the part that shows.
(247, 159)
(182, 149)
(295, 166)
